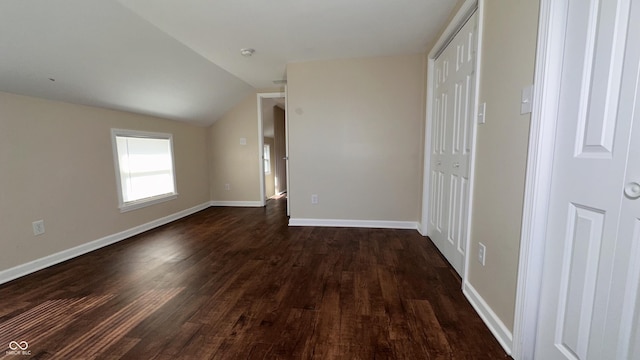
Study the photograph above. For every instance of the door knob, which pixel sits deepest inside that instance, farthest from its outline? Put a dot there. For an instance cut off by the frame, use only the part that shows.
(439, 163)
(632, 190)
(456, 165)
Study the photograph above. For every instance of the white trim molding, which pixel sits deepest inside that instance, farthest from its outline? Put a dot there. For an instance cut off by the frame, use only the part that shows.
(476, 102)
(493, 322)
(373, 224)
(53, 259)
(551, 33)
(237, 203)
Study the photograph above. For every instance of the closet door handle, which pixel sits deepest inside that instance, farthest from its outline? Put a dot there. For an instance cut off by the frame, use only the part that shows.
(632, 190)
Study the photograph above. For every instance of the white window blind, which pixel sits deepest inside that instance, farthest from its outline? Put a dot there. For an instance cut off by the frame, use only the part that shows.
(144, 165)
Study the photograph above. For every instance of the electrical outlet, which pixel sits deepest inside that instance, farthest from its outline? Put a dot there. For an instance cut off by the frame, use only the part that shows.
(227, 187)
(482, 250)
(38, 227)
(314, 199)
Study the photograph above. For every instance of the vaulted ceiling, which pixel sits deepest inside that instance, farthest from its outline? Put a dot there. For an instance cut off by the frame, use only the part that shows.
(181, 59)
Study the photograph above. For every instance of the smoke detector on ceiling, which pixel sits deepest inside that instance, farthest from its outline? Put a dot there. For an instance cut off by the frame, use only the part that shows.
(246, 52)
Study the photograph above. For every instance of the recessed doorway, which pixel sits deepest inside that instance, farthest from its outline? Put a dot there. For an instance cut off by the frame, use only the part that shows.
(273, 146)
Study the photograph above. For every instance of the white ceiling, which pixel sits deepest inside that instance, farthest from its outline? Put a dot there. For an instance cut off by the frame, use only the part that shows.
(180, 59)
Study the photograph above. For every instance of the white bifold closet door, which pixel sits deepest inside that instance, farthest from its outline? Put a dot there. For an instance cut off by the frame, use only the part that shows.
(451, 144)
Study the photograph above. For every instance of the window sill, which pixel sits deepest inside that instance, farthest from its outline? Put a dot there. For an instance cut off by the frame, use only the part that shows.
(139, 204)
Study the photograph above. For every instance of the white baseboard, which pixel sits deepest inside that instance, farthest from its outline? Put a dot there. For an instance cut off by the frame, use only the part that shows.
(422, 230)
(495, 325)
(236, 203)
(39, 264)
(374, 224)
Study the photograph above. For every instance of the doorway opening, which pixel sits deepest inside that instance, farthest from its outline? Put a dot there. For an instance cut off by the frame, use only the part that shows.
(273, 146)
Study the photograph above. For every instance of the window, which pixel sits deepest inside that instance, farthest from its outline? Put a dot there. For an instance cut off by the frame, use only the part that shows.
(267, 159)
(144, 168)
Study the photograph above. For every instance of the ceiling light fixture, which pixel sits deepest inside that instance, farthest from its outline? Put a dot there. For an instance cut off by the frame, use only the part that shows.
(246, 52)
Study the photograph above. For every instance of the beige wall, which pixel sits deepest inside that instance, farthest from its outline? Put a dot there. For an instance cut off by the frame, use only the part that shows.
(508, 55)
(56, 164)
(232, 163)
(355, 138)
(269, 179)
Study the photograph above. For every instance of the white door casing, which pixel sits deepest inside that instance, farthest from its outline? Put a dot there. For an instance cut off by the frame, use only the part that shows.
(542, 134)
(286, 141)
(589, 296)
(452, 143)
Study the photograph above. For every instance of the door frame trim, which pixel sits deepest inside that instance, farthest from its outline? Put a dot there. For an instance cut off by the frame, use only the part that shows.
(547, 79)
(456, 23)
(286, 147)
(260, 96)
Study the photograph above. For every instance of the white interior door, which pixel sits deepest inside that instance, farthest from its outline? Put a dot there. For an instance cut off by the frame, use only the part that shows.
(622, 328)
(451, 144)
(589, 302)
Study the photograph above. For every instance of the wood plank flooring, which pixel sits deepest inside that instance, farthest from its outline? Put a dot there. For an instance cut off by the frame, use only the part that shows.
(238, 283)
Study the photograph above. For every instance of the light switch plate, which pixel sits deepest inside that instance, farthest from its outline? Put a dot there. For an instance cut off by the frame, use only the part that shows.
(482, 251)
(243, 141)
(482, 111)
(526, 103)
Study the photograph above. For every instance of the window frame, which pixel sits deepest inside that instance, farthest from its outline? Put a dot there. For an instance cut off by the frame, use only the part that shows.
(141, 203)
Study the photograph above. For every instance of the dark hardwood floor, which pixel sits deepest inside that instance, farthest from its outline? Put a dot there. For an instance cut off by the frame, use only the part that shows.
(237, 283)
